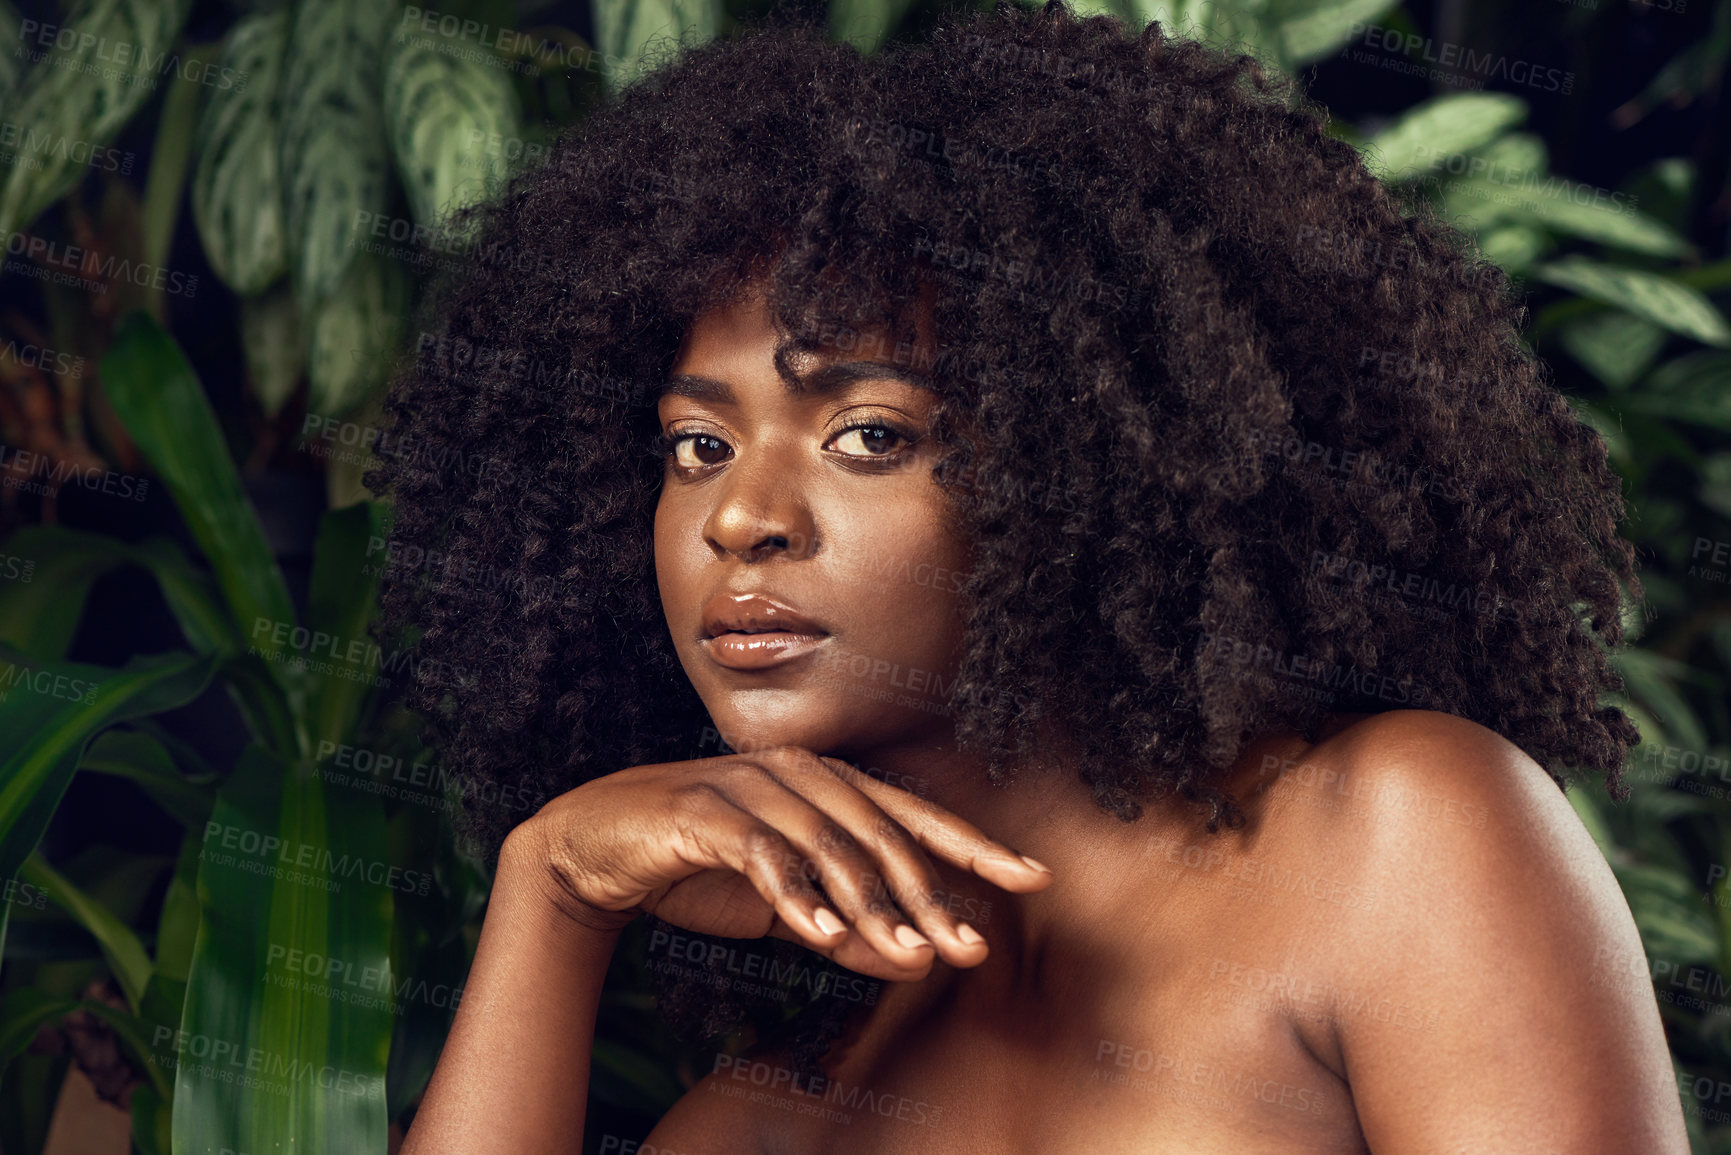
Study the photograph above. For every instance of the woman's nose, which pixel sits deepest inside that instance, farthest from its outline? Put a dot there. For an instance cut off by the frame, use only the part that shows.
(760, 512)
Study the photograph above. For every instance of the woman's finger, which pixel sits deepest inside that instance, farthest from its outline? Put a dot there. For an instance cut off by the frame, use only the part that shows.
(870, 876)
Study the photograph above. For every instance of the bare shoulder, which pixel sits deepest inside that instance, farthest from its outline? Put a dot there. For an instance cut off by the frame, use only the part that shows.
(1495, 918)
(723, 1112)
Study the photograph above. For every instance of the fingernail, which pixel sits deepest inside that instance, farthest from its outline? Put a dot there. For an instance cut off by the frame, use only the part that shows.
(909, 937)
(1036, 864)
(826, 922)
(968, 934)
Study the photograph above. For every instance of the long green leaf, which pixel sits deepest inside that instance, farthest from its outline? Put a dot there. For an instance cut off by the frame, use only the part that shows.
(151, 1130)
(140, 758)
(177, 927)
(1659, 299)
(50, 712)
(39, 618)
(170, 150)
(1564, 207)
(120, 946)
(192, 597)
(159, 398)
(237, 191)
(134, 1035)
(339, 605)
(1440, 128)
(282, 871)
(22, 1012)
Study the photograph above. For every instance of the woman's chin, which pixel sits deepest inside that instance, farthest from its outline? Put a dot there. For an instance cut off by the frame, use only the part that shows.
(758, 730)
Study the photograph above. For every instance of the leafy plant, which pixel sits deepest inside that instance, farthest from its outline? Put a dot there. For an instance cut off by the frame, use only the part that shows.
(317, 122)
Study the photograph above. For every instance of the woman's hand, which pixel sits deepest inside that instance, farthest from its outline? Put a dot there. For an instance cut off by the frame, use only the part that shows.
(731, 846)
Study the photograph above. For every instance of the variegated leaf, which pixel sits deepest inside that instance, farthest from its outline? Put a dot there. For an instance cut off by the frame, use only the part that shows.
(237, 199)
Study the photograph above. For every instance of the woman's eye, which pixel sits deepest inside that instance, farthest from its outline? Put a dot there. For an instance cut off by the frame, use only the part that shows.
(869, 441)
(696, 450)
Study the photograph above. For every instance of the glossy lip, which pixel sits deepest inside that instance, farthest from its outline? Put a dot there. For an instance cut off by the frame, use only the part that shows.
(748, 631)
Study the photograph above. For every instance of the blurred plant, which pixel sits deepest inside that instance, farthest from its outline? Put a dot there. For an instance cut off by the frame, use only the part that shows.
(322, 140)
(320, 120)
(1636, 294)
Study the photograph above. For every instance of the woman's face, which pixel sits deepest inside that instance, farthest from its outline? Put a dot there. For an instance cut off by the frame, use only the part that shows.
(807, 563)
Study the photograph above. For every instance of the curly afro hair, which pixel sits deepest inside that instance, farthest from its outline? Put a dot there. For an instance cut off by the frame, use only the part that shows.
(1240, 437)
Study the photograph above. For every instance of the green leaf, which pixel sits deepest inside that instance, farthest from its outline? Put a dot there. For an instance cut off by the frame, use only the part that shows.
(353, 336)
(1694, 388)
(439, 97)
(633, 34)
(1659, 299)
(1513, 247)
(335, 151)
(1438, 129)
(865, 24)
(270, 332)
(163, 406)
(340, 603)
(23, 1010)
(1649, 680)
(1321, 29)
(170, 151)
(1669, 912)
(1615, 347)
(140, 758)
(125, 955)
(1243, 27)
(134, 1037)
(1127, 10)
(1599, 221)
(428, 948)
(284, 871)
(192, 597)
(80, 95)
(1715, 490)
(1512, 156)
(11, 63)
(177, 926)
(49, 713)
(151, 1129)
(237, 190)
(1553, 205)
(40, 617)
(256, 690)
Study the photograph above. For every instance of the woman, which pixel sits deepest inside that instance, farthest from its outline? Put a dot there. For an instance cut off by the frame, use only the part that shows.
(1148, 598)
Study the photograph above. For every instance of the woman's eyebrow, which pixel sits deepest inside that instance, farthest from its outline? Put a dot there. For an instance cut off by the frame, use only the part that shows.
(826, 379)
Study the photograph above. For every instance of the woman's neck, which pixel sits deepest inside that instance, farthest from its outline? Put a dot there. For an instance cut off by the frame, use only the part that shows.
(1045, 810)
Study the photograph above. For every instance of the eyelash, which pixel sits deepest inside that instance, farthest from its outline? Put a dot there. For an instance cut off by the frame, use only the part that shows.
(663, 445)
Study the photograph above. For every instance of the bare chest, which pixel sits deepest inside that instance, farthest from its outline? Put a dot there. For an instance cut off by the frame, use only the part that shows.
(1187, 1011)
(1200, 1056)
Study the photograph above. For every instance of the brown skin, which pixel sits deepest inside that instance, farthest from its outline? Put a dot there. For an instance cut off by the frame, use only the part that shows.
(1412, 946)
